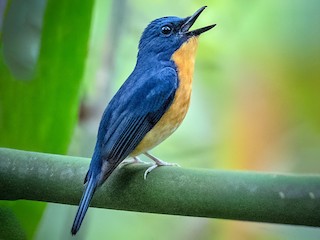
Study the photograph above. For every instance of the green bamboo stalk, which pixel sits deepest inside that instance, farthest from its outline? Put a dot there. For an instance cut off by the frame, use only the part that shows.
(250, 196)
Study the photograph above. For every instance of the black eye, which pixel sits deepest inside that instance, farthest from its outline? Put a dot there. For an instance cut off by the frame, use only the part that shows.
(166, 30)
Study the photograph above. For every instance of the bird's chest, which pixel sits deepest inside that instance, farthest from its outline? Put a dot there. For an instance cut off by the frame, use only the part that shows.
(184, 59)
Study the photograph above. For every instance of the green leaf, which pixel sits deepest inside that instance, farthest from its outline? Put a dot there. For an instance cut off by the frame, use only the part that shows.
(39, 104)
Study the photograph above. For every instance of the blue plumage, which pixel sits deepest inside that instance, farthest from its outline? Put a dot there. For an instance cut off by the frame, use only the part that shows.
(140, 103)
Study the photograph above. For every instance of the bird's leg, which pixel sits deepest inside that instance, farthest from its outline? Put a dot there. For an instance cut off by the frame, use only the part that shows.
(158, 163)
(131, 161)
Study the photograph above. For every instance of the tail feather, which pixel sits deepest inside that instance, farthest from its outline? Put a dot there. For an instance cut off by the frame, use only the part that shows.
(84, 204)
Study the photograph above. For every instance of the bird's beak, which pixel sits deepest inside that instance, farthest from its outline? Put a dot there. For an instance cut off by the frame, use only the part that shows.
(190, 21)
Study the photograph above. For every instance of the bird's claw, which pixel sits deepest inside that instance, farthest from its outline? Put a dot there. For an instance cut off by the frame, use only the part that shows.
(154, 166)
(131, 161)
(158, 163)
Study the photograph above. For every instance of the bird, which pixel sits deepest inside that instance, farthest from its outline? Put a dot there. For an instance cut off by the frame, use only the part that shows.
(149, 106)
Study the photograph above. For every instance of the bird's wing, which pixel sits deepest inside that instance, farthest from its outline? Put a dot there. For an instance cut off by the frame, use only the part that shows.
(134, 111)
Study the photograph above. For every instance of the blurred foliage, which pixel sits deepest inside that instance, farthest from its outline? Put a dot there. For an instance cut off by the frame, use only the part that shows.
(254, 106)
(43, 55)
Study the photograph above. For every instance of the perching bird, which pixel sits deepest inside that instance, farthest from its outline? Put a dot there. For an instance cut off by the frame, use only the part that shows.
(149, 106)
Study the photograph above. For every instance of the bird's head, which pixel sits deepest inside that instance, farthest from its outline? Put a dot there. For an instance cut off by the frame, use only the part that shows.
(164, 36)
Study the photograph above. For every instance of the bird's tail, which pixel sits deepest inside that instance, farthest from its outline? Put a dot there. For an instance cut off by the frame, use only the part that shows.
(84, 203)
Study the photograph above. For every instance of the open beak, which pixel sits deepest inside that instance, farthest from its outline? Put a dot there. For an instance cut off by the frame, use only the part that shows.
(190, 21)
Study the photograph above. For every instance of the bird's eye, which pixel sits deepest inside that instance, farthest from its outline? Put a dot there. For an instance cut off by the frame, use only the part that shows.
(166, 30)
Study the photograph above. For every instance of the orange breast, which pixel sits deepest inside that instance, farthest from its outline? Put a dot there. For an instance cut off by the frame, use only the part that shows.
(184, 59)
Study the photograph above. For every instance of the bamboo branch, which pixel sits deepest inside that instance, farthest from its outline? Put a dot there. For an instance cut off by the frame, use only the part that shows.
(250, 196)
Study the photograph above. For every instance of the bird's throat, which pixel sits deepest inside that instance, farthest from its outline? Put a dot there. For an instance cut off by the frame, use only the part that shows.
(184, 59)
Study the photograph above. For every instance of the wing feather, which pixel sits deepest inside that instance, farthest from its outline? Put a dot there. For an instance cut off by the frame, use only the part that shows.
(128, 119)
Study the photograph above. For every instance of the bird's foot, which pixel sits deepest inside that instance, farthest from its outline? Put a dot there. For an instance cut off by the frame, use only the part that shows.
(158, 163)
(131, 161)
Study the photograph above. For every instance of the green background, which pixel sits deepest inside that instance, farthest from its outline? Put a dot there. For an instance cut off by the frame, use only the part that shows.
(255, 102)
